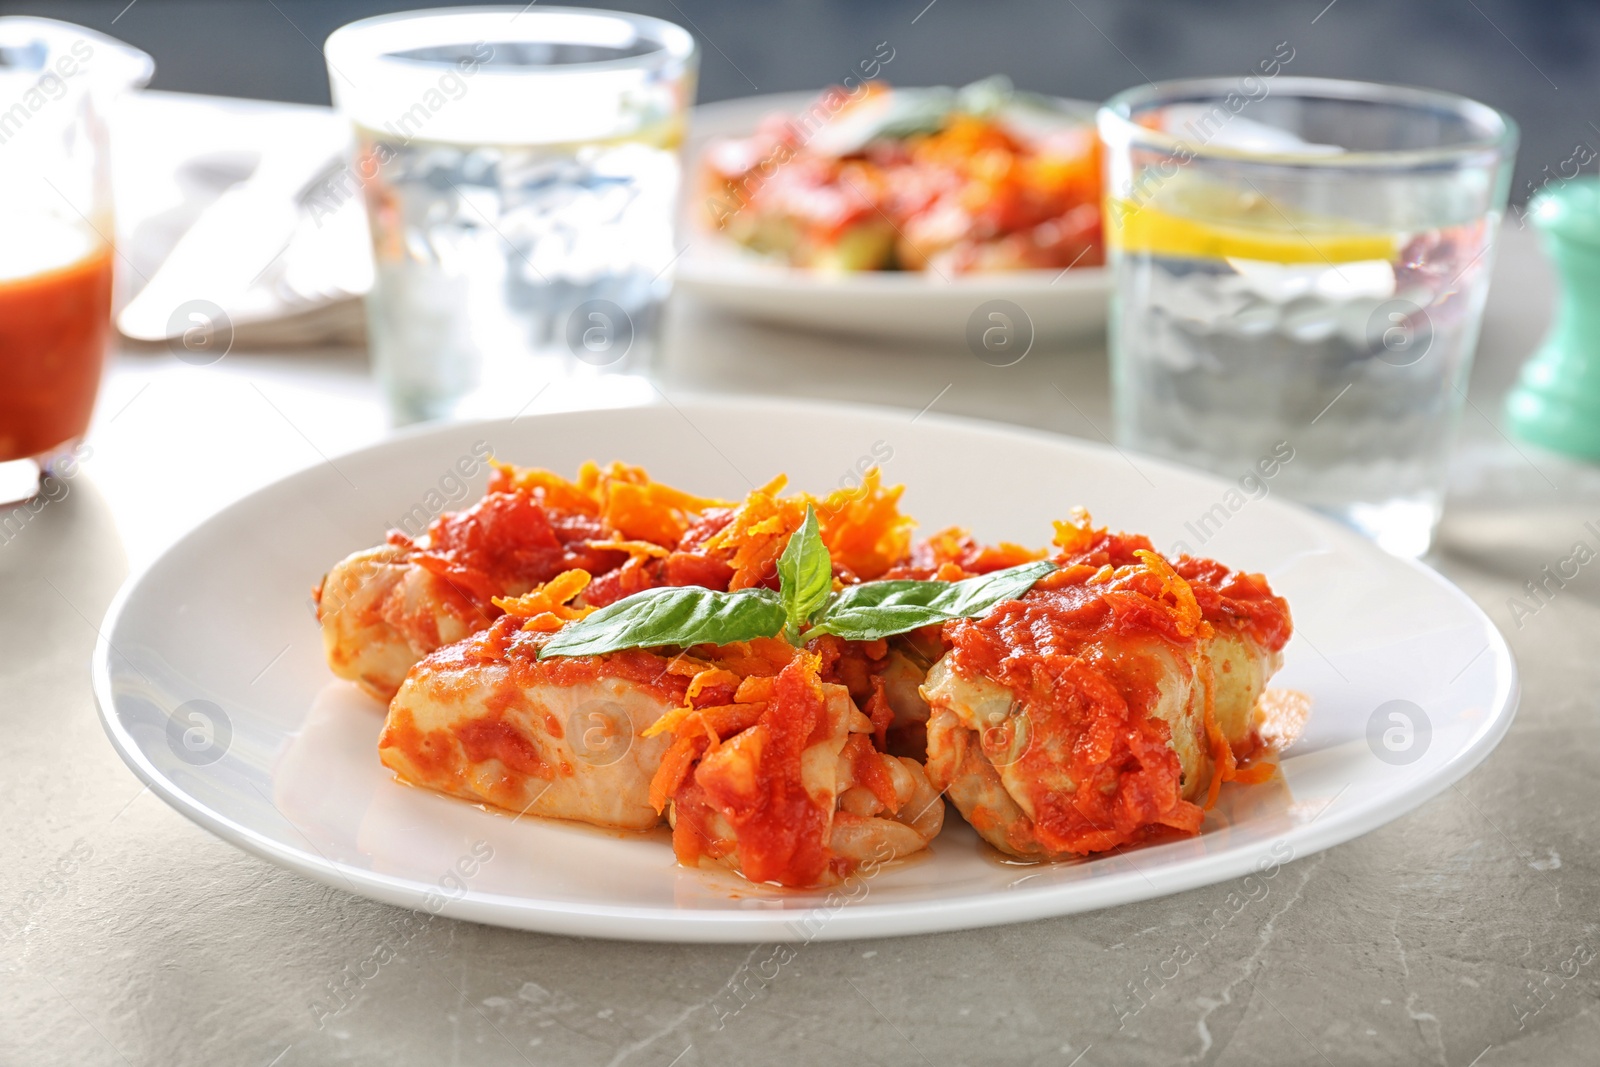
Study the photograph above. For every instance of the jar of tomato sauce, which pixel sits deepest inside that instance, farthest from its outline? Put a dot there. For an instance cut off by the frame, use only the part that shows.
(57, 83)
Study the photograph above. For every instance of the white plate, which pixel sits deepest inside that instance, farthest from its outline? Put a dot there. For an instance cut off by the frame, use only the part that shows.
(291, 773)
(880, 303)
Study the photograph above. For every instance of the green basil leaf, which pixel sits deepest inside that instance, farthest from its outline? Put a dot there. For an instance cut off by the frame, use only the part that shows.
(676, 615)
(864, 623)
(894, 592)
(872, 610)
(805, 575)
(975, 596)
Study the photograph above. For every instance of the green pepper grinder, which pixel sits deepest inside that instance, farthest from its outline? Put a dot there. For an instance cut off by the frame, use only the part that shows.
(1556, 403)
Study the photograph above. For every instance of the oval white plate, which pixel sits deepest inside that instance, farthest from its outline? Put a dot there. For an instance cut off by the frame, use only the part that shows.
(211, 683)
(880, 303)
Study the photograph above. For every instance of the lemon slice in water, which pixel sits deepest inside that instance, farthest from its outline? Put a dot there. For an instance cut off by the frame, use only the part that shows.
(1244, 225)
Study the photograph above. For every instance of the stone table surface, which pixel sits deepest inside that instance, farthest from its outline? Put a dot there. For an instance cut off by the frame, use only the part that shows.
(1463, 933)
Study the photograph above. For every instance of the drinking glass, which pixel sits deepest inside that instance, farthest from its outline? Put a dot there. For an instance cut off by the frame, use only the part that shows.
(57, 84)
(1300, 267)
(520, 168)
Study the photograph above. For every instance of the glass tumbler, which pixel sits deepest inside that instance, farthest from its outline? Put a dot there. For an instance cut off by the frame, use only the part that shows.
(1300, 267)
(57, 85)
(520, 168)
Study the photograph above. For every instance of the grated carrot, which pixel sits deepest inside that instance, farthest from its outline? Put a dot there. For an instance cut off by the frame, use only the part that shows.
(547, 487)
(632, 548)
(670, 722)
(707, 678)
(676, 764)
(757, 535)
(863, 527)
(651, 512)
(725, 720)
(1187, 609)
(1256, 773)
(753, 690)
(1076, 533)
(548, 603)
(686, 666)
(623, 497)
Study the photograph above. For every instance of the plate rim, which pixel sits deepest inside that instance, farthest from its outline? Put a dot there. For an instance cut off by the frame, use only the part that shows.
(852, 920)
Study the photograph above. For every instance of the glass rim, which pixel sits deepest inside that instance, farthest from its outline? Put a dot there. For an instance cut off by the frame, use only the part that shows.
(373, 42)
(123, 65)
(1116, 117)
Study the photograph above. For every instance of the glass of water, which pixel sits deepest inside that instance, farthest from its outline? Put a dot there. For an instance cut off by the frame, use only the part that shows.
(520, 168)
(1300, 267)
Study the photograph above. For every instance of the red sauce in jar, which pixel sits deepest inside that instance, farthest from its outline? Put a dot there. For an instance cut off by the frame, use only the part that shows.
(53, 332)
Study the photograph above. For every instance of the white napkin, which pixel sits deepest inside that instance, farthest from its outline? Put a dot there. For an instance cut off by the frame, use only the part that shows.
(215, 204)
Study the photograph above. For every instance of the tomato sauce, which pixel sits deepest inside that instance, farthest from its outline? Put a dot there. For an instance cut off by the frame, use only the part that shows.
(53, 332)
(1085, 656)
(492, 737)
(953, 554)
(1231, 599)
(507, 543)
(1239, 601)
(781, 830)
(692, 562)
(1084, 651)
(506, 647)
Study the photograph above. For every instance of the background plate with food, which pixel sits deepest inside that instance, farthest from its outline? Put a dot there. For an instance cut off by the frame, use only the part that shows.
(896, 211)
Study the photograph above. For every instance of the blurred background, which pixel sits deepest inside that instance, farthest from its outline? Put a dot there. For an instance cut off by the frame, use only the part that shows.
(1535, 61)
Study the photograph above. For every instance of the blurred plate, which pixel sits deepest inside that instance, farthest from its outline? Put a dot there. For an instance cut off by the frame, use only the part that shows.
(915, 304)
(211, 683)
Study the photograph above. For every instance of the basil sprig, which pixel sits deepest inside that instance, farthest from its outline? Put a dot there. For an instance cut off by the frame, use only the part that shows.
(805, 606)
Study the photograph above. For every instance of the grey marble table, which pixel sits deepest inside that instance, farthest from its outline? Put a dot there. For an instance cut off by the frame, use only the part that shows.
(1463, 933)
